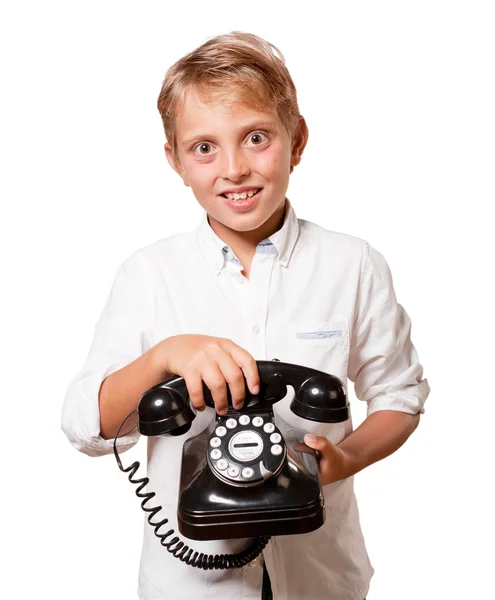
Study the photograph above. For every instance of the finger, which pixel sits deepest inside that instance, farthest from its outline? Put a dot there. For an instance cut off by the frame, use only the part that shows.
(231, 373)
(322, 447)
(215, 381)
(248, 365)
(194, 385)
(235, 379)
(317, 442)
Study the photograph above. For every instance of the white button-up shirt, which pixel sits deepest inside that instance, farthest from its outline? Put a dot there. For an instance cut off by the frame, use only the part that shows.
(314, 297)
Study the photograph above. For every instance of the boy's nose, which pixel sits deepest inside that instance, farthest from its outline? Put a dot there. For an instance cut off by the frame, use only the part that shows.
(235, 166)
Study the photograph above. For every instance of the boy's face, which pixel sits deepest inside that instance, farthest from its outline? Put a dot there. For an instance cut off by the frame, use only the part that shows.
(226, 147)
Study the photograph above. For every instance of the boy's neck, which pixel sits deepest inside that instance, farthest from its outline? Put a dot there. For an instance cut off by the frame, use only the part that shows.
(243, 243)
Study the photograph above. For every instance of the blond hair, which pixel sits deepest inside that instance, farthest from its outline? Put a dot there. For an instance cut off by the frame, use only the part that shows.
(240, 67)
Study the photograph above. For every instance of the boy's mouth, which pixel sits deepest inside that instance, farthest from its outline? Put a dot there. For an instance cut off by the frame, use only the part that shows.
(244, 202)
(243, 195)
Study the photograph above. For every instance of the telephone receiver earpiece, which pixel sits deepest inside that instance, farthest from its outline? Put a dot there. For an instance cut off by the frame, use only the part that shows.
(166, 408)
(321, 398)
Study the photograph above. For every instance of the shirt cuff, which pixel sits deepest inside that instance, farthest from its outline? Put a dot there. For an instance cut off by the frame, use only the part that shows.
(409, 399)
(81, 416)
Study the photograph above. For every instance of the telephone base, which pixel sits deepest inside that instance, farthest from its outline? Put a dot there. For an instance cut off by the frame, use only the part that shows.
(267, 526)
(289, 503)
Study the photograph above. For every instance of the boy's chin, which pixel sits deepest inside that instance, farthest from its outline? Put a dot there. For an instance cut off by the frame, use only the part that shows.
(244, 224)
(248, 223)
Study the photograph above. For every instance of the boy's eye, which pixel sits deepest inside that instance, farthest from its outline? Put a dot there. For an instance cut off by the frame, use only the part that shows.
(203, 148)
(257, 138)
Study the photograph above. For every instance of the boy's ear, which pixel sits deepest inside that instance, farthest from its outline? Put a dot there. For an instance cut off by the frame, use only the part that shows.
(176, 167)
(299, 142)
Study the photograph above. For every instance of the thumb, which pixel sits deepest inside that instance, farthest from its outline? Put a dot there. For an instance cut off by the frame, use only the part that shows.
(317, 442)
(331, 460)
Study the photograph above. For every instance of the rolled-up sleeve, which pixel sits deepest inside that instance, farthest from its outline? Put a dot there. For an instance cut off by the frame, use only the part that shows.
(120, 337)
(383, 363)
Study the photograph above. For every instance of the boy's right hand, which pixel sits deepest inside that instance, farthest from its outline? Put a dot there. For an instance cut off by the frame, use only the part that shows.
(216, 361)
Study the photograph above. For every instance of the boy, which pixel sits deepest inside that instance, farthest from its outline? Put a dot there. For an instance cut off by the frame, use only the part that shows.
(251, 282)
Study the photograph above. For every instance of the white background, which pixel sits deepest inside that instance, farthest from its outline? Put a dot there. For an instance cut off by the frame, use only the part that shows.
(399, 99)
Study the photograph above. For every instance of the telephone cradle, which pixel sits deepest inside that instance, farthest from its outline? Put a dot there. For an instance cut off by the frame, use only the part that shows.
(241, 477)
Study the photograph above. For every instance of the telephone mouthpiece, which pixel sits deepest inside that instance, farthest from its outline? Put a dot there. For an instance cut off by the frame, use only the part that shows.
(163, 410)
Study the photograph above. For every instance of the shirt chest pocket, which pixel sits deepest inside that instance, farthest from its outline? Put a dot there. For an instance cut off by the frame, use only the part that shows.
(322, 345)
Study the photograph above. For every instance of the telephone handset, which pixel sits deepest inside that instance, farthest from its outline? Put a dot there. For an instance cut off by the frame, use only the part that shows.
(240, 478)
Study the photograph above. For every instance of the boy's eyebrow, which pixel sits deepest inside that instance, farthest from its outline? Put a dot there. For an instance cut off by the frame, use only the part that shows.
(246, 127)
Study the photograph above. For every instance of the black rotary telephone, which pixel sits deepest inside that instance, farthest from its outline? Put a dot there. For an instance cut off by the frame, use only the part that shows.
(240, 477)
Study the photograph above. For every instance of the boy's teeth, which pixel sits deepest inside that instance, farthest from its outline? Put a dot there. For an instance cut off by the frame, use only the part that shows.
(242, 196)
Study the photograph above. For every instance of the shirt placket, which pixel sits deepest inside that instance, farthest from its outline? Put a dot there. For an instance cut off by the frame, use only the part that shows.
(256, 307)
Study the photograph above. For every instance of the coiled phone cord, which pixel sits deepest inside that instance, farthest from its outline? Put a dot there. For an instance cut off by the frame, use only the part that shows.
(175, 546)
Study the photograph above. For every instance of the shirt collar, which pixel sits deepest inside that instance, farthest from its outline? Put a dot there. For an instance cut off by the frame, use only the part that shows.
(284, 240)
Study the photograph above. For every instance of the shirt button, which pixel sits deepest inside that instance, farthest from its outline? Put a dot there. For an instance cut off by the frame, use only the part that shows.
(256, 329)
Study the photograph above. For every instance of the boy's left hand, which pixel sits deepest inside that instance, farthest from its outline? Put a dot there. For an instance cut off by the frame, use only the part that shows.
(334, 463)
(378, 436)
